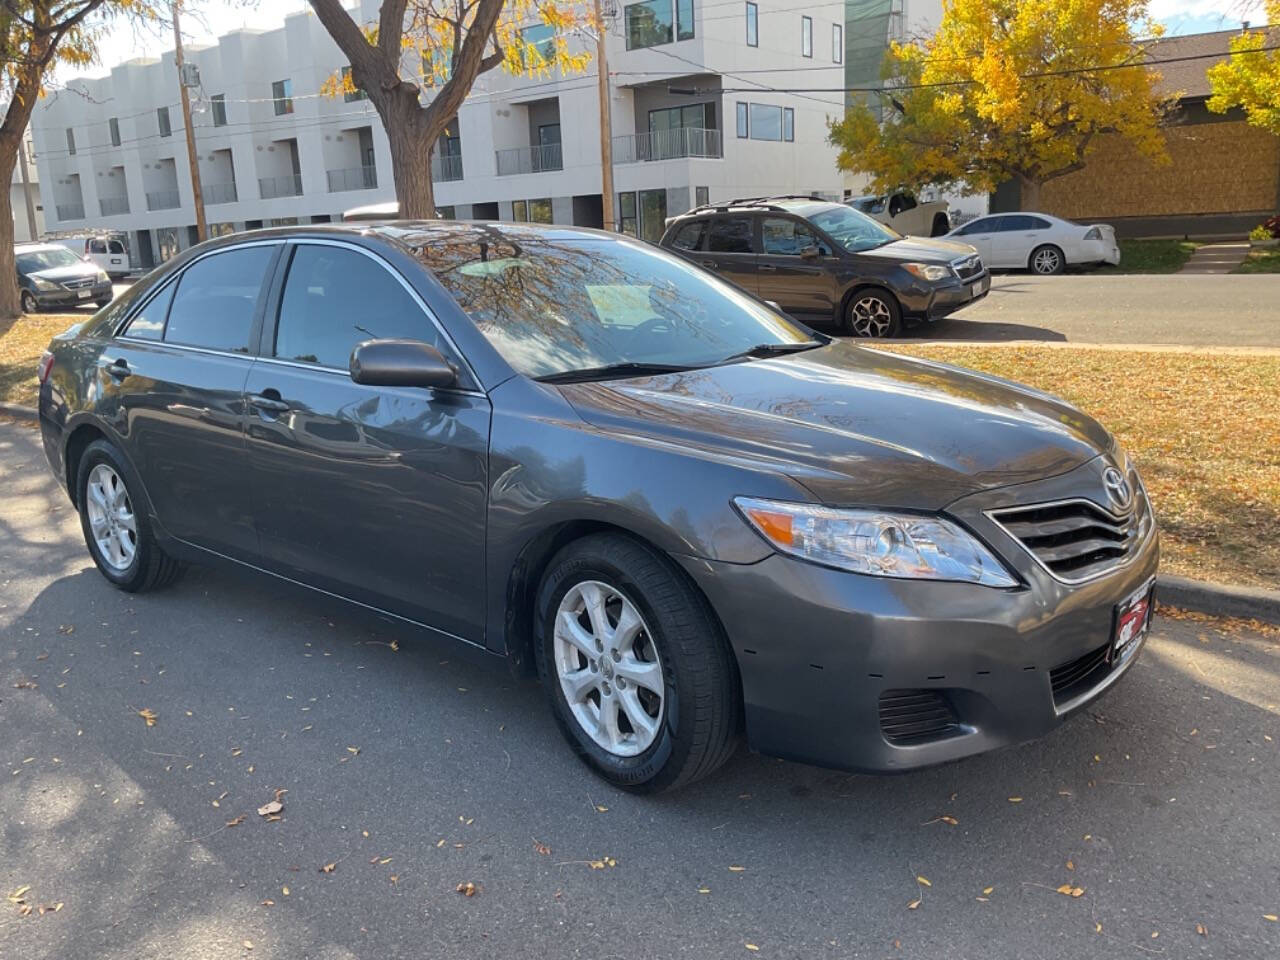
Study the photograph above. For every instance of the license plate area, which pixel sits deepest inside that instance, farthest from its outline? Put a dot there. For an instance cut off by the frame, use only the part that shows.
(1131, 621)
(84, 294)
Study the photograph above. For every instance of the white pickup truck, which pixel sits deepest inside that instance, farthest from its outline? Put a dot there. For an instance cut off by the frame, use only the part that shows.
(909, 216)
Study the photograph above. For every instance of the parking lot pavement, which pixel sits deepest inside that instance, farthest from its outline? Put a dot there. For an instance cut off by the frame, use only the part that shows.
(412, 771)
(1193, 310)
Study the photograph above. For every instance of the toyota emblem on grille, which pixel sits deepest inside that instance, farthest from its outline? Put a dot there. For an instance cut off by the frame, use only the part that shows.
(1117, 488)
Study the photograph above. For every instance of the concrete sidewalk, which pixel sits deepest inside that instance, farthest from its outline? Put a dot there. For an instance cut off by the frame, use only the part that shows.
(1217, 257)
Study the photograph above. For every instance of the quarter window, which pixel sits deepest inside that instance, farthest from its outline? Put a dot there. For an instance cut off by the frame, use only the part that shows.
(753, 25)
(336, 298)
(689, 237)
(148, 324)
(730, 235)
(806, 36)
(216, 300)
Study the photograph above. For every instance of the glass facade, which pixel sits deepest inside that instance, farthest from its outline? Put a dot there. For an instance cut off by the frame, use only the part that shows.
(658, 22)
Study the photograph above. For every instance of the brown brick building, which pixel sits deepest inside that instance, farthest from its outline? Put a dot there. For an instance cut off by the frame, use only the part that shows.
(1223, 178)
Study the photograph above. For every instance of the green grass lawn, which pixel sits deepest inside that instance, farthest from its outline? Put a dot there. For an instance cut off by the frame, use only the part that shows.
(1261, 261)
(1152, 256)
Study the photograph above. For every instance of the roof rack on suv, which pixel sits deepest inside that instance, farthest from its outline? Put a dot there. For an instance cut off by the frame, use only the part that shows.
(762, 203)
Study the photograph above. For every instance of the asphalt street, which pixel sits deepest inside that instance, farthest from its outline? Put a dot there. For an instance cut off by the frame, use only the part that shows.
(412, 770)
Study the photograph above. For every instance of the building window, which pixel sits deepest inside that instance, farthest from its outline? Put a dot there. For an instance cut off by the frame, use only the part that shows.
(542, 37)
(446, 213)
(701, 196)
(162, 120)
(766, 122)
(519, 211)
(354, 95)
(657, 22)
(628, 222)
(282, 94)
(743, 127)
(540, 210)
(806, 36)
(114, 126)
(653, 214)
(753, 25)
(696, 116)
(788, 124)
(71, 141)
(219, 101)
(837, 43)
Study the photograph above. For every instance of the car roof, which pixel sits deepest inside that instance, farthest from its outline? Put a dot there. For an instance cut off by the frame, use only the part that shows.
(801, 206)
(36, 247)
(416, 232)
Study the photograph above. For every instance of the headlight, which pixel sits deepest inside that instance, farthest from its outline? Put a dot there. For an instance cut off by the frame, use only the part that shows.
(932, 272)
(102, 277)
(42, 284)
(875, 542)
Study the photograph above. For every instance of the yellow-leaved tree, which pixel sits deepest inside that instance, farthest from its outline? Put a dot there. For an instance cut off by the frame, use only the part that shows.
(1007, 90)
(418, 62)
(1251, 77)
(35, 36)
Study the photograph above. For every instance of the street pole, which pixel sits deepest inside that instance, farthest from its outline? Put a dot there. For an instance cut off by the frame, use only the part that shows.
(197, 194)
(606, 125)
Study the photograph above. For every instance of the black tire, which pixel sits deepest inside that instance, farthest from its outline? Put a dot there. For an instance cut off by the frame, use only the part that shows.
(698, 720)
(941, 225)
(150, 567)
(29, 302)
(873, 312)
(1047, 260)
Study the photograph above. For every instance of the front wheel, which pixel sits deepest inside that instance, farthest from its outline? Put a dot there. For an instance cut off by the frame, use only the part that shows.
(873, 313)
(640, 678)
(29, 302)
(1047, 260)
(116, 528)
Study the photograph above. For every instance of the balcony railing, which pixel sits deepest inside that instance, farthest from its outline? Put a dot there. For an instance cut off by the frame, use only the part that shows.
(70, 211)
(354, 178)
(668, 145)
(530, 160)
(220, 193)
(113, 206)
(287, 186)
(163, 200)
(444, 169)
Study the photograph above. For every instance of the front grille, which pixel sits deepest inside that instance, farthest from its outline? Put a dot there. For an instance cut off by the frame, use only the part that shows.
(968, 268)
(1080, 675)
(916, 716)
(1076, 540)
(78, 284)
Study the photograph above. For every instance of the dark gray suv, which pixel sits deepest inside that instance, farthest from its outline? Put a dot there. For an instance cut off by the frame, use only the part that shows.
(689, 514)
(830, 264)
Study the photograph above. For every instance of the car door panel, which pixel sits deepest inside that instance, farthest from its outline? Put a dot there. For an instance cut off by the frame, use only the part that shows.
(410, 463)
(798, 284)
(730, 251)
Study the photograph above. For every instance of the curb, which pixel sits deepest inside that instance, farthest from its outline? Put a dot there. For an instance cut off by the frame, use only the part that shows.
(19, 412)
(1248, 603)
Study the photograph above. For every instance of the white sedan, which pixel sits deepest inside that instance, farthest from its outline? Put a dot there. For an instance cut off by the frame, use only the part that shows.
(1038, 242)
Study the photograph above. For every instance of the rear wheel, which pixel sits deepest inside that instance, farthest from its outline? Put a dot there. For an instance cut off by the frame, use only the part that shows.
(1047, 260)
(640, 678)
(873, 313)
(29, 302)
(115, 524)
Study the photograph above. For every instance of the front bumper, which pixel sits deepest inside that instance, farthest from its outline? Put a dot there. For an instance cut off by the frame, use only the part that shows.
(70, 298)
(819, 649)
(934, 301)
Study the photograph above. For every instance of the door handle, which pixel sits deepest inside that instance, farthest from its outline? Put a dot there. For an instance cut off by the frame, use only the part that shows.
(708, 264)
(266, 402)
(768, 268)
(118, 369)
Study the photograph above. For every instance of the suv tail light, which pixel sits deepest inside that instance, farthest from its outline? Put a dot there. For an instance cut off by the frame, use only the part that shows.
(46, 364)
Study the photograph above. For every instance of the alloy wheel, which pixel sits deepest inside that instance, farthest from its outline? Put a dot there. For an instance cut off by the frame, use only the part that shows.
(111, 518)
(1046, 261)
(29, 304)
(608, 668)
(870, 317)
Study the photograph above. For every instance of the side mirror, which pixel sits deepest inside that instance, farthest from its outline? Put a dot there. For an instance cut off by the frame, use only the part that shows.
(810, 253)
(401, 363)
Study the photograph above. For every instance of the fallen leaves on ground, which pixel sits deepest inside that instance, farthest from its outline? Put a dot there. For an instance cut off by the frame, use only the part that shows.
(1067, 890)
(737, 869)
(149, 715)
(602, 864)
(270, 808)
(468, 889)
(329, 868)
(541, 848)
(236, 821)
(923, 882)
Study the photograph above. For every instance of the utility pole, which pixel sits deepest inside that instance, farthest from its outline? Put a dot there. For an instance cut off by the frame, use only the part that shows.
(26, 188)
(197, 194)
(606, 124)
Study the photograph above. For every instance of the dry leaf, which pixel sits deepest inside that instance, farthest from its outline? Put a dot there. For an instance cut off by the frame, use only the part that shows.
(268, 903)
(914, 903)
(986, 891)
(704, 889)
(949, 819)
(1270, 916)
(354, 751)
(1067, 890)
(752, 947)
(1015, 799)
(1097, 928)
(440, 843)
(1202, 930)
(923, 881)
(541, 848)
(236, 822)
(602, 863)
(269, 808)
(284, 891)
(601, 808)
(148, 715)
(737, 869)
(16, 896)
(468, 889)
(248, 944)
(1070, 865)
(329, 868)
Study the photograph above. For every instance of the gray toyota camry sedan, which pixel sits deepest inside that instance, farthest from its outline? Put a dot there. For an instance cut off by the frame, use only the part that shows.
(694, 518)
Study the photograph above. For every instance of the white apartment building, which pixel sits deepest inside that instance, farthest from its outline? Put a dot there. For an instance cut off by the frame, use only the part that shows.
(697, 112)
(24, 197)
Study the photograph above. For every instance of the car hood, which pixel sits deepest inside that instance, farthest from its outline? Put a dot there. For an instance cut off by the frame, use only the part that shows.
(854, 425)
(73, 271)
(934, 249)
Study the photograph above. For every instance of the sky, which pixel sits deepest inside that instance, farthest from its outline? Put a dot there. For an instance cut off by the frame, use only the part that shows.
(211, 19)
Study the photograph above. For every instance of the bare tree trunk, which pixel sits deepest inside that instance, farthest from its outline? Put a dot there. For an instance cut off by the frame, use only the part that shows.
(411, 149)
(1029, 191)
(9, 305)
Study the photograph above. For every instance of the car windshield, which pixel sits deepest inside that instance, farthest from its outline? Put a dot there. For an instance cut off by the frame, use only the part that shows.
(553, 306)
(853, 230)
(33, 261)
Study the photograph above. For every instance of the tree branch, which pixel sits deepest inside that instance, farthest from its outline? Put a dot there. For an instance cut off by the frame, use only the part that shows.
(391, 29)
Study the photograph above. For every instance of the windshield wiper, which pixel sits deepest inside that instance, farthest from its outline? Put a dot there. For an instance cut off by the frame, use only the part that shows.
(614, 371)
(762, 350)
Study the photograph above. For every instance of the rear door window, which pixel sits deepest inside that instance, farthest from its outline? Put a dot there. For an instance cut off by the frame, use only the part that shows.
(730, 235)
(216, 299)
(781, 236)
(148, 323)
(115, 246)
(335, 298)
(689, 237)
(985, 225)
